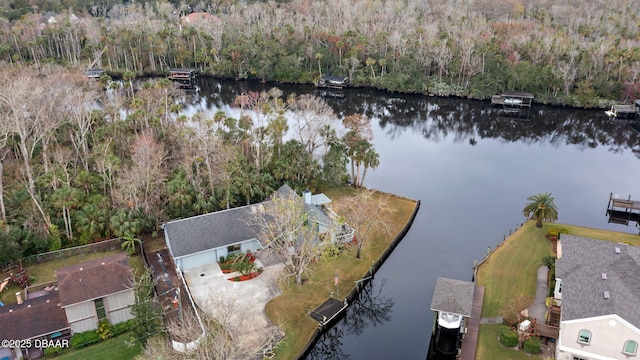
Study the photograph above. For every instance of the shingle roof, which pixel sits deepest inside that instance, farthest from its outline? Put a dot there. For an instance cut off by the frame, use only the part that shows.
(34, 317)
(454, 296)
(581, 267)
(94, 279)
(221, 228)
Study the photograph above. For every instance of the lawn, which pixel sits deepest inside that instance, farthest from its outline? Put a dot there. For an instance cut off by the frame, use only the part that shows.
(511, 271)
(290, 309)
(107, 350)
(489, 347)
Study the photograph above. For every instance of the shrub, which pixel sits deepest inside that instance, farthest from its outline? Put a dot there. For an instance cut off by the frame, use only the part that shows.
(79, 340)
(50, 351)
(532, 345)
(122, 327)
(104, 330)
(508, 337)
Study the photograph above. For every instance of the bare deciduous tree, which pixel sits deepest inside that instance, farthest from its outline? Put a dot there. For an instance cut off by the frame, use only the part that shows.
(286, 226)
(313, 118)
(367, 212)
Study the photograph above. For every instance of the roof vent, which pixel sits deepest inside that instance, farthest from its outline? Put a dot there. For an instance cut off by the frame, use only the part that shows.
(604, 276)
(81, 269)
(103, 263)
(617, 250)
(606, 294)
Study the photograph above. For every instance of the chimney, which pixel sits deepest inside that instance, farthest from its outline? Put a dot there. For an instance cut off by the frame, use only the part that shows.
(19, 297)
(306, 195)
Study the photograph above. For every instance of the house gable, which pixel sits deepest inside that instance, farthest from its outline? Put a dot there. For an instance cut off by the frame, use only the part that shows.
(608, 335)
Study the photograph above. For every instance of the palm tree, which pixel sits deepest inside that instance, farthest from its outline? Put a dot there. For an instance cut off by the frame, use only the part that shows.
(129, 244)
(542, 208)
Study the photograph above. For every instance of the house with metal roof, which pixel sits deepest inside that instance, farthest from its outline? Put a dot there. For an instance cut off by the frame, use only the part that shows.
(598, 288)
(202, 240)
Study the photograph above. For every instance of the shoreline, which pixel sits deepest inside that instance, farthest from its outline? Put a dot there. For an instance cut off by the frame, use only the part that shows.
(366, 278)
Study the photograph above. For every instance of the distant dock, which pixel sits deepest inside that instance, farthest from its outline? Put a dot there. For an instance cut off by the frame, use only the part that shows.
(512, 99)
(624, 111)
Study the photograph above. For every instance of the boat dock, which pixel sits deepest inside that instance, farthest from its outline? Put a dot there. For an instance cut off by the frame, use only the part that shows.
(470, 342)
(328, 311)
(624, 111)
(512, 99)
(332, 82)
(623, 211)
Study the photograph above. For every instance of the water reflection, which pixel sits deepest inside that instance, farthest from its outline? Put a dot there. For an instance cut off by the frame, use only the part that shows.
(438, 119)
(370, 309)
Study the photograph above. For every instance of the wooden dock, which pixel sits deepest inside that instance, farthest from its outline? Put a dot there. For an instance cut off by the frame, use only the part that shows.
(470, 341)
(623, 211)
(328, 311)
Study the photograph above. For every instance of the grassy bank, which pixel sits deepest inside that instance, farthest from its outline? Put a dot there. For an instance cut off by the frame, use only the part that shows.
(115, 348)
(289, 310)
(511, 271)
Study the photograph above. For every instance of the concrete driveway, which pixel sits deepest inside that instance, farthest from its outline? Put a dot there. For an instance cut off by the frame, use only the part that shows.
(240, 306)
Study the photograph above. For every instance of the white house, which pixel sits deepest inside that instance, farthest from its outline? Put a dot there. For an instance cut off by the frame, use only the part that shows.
(203, 239)
(95, 290)
(598, 283)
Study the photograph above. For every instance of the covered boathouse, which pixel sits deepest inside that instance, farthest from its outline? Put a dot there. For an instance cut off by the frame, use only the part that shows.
(457, 305)
(334, 82)
(512, 99)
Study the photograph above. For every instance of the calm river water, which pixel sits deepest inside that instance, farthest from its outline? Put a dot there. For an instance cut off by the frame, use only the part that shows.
(473, 170)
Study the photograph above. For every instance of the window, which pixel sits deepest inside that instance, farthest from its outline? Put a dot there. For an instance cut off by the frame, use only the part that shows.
(102, 314)
(577, 358)
(584, 336)
(232, 248)
(630, 347)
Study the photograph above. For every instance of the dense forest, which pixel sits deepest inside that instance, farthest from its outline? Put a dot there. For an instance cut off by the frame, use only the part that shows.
(81, 161)
(574, 52)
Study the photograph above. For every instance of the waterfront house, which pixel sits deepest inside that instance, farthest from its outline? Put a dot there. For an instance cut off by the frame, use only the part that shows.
(96, 290)
(202, 240)
(598, 289)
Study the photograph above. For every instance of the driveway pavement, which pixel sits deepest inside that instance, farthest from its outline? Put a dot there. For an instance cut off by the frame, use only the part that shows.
(240, 306)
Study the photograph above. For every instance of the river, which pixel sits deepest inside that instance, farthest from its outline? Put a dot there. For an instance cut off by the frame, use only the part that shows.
(473, 170)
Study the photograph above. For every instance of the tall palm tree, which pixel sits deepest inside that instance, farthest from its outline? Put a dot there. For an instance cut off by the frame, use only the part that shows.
(542, 208)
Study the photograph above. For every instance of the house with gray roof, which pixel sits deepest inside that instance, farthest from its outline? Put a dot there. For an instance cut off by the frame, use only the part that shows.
(598, 288)
(202, 240)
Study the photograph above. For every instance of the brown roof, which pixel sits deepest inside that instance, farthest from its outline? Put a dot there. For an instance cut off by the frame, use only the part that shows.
(94, 279)
(33, 318)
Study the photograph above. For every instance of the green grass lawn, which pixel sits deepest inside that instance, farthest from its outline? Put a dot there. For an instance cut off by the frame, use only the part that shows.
(111, 349)
(290, 309)
(492, 349)
(511, 272)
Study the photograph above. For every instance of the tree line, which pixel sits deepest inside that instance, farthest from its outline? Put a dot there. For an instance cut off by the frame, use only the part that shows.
(83, 160)
(571, 52)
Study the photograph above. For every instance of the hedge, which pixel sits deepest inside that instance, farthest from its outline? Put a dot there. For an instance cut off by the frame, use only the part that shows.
(532, 345)
(508, 337)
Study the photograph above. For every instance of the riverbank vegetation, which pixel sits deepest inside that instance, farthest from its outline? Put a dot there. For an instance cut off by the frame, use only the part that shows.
(510, 274)
(79, 164)
(565, 52)
(289, 310)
